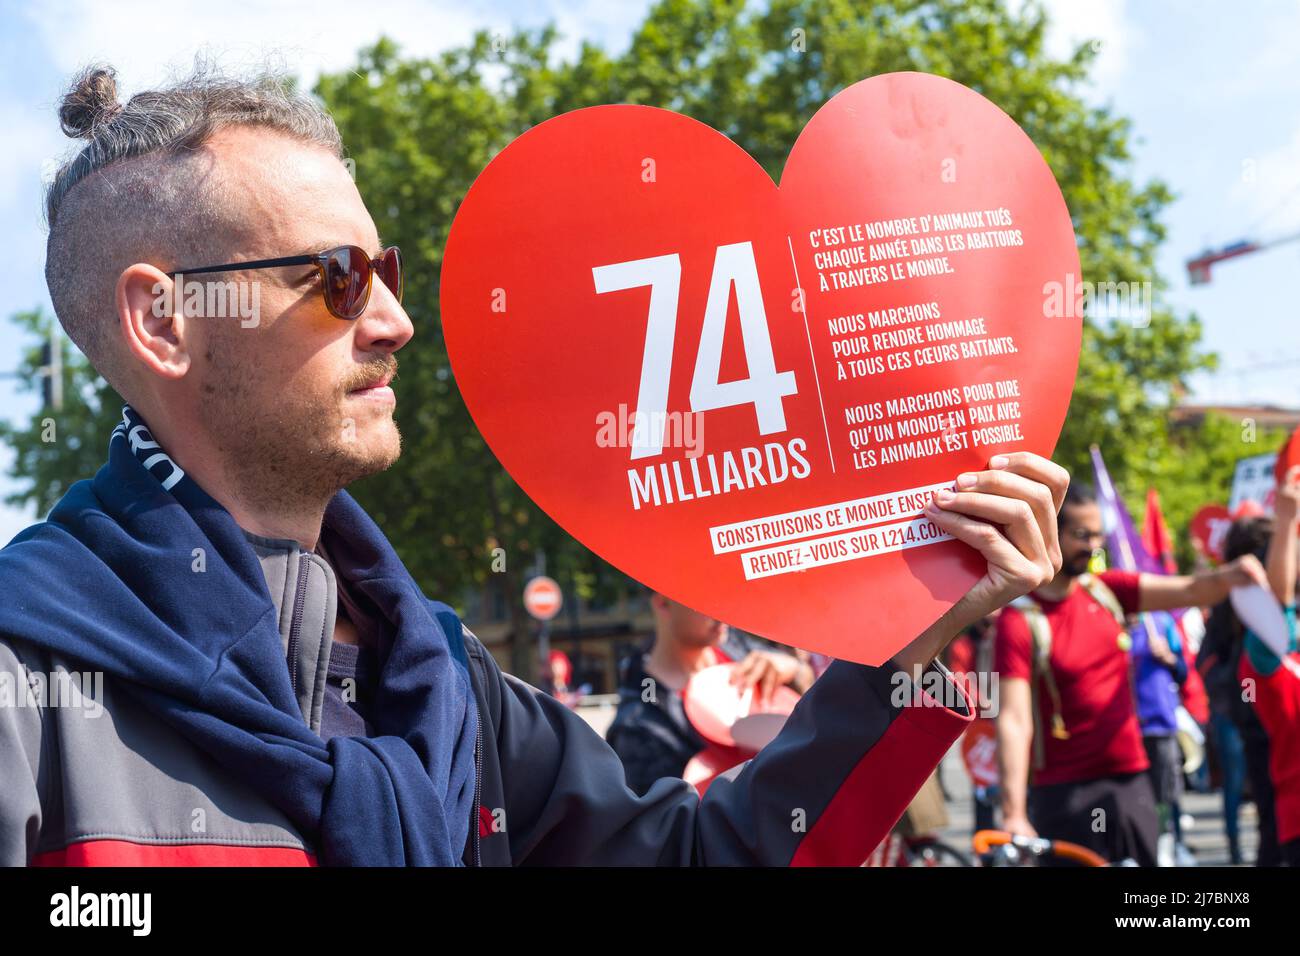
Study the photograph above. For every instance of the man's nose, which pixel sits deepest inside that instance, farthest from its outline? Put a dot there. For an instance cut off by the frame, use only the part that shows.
(384, 326)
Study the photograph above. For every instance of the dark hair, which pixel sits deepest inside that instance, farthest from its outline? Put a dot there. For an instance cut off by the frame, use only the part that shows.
(91, 102)
(1248, 536)
(175, 119)
(1079, 493)
(139, 188)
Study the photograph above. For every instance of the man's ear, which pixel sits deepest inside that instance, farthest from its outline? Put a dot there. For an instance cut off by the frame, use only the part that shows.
(151, 321)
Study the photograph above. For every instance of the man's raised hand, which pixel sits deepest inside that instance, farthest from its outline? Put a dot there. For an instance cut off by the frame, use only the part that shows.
(1008, 514)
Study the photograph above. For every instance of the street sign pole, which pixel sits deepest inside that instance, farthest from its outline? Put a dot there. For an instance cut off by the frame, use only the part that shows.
(544, 650)
(543, 600)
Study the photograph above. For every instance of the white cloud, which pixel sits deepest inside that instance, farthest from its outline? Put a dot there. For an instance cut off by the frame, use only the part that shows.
(1104, 22)
(31, 138)
(608, 24)
(149, 42)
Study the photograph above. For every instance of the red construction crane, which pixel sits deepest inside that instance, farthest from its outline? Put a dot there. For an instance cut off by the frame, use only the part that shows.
(1198, 269)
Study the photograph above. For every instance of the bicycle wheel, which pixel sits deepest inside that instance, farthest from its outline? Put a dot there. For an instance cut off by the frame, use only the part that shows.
(937, 853)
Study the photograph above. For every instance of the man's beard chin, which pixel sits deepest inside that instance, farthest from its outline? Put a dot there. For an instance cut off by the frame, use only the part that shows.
(1077, 567)
(348, 461)
(309, 459)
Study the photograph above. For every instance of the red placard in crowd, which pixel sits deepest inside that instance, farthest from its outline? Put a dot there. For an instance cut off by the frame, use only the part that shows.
(742, 395)
(1288, 457)
(1208, 529)
(979, 752)
(724, 714)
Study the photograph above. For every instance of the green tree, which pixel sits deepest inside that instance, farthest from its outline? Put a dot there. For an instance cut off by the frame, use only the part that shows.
(55, 448)
(1197, 470)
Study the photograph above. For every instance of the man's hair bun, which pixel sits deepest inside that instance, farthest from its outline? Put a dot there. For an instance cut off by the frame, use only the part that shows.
(90, 102)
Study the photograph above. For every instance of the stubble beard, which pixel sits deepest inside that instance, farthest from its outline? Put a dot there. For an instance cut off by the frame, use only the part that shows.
(298, 453)
(1078, 566)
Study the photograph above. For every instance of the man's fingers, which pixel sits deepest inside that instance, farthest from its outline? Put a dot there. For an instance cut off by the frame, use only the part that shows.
(750, 670)
(996, 548)
(1253, 570)
(1034, 493)
(1015, 515)
(1035, 468)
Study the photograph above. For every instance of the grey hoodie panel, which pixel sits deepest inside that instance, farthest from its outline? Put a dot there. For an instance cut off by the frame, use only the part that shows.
(100, 767)
(21, 766)
(105, 769)
(282, 563)
(314, 655)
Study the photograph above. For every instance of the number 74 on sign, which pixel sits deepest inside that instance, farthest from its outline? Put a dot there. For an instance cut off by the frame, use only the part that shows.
(733, 266)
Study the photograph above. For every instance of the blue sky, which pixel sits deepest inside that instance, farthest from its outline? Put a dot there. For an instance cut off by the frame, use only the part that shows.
(1213, 89)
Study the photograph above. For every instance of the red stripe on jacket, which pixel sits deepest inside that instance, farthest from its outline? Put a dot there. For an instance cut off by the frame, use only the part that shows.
(123, 853)
(888, 775)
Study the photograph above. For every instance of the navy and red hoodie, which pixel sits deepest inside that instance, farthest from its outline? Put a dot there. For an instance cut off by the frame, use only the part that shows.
(162, 674)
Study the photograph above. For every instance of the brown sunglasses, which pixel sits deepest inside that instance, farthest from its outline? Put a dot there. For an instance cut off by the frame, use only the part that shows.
(345, 272)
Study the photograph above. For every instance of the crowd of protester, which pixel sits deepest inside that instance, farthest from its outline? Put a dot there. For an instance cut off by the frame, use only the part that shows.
(1110, 693)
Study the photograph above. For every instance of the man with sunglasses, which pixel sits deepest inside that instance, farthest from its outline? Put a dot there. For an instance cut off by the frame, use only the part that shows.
(1071, 756)
(277, 688)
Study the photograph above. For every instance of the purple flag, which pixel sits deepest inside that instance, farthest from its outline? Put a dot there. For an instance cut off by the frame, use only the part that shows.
(1126, 548)
(1122, 540)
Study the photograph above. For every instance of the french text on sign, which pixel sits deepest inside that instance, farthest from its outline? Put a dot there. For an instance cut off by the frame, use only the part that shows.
(855, 513)
(849, 546)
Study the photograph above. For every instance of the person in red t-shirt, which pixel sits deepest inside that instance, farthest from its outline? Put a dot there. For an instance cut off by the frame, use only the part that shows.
(1084, 746)
(1277, 679)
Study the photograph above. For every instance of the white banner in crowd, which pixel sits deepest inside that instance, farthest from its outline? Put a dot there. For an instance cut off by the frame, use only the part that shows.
(1252, 480)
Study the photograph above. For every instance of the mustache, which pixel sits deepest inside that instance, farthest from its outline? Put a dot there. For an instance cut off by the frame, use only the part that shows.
(371, 372)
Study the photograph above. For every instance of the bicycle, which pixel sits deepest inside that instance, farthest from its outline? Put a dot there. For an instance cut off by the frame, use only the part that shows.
(925, 849)
(1000, 848)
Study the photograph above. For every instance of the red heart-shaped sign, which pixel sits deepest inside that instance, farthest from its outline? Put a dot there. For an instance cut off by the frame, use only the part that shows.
(743, 396)
(1209, 529)
(724, 714)
(702, 769)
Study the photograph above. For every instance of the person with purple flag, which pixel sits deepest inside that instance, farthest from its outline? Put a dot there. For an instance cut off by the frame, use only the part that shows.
(1159, 666)
(1070, 749)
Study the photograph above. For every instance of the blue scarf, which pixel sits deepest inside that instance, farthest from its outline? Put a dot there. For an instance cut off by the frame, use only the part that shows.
(111, 580)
